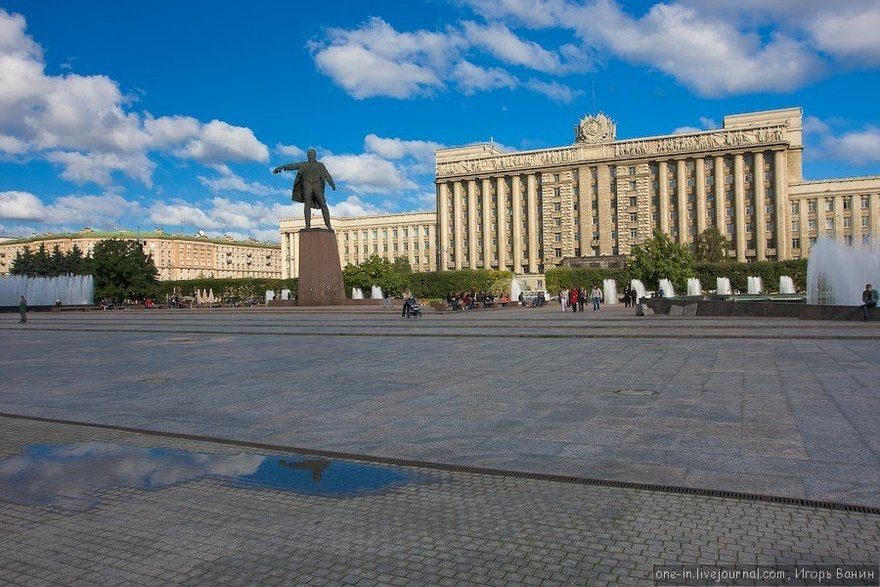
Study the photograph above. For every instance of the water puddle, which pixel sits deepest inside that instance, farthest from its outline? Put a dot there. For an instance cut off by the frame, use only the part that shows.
(71, 476)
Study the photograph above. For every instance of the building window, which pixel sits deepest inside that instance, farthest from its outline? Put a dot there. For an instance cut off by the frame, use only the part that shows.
(829, 205)
(557, 207)
(866, 222)
(866, 200)
(811, 206)
(633, 216)
(811, 224)
(632, 185)
(829, 224)
(795, 208)
(557, 252)
(795, 225)
(847, 222)
(846, 203)
(795, 243)
(633, 202)
(557, 238)
(633, 233)
(632, 170)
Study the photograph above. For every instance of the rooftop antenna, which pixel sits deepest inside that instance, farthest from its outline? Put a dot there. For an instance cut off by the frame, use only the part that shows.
(593, 83)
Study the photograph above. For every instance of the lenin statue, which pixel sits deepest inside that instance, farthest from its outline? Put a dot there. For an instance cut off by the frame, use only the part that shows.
(308, 187)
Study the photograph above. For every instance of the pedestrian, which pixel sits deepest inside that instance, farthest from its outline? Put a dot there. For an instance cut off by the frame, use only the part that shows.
(634, 297)
(573, 299)
(582, 298)
(870, 297)
(386, 299)
(563, 300)
(626, 298)
(22, 309)
(597, 298)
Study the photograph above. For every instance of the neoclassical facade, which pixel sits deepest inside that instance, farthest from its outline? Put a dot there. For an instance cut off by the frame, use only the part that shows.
(527, 211)
(412, 235)
(175, 256)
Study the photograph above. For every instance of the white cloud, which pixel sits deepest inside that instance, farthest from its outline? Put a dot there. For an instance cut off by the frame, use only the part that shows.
(858, 147)
(82, 168)
(367, 173)
(706, 123)
(554, 90)
(290, 151)
(235, 183)
(85, 123)
(399, 148)
(685, 129)
(502, 43)
(376, 60)
(849, 32)
(813, 124)
(354, 206)
(20, 206)
(473, 78)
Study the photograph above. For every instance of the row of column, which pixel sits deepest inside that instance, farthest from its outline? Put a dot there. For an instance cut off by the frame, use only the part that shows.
(464, 226)
(759, 201)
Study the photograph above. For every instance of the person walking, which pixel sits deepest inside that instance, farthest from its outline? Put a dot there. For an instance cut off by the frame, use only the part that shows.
(22, 309)
(597, 298)
(626, 298)
(870, 297)
(573, 299)
(582, 298)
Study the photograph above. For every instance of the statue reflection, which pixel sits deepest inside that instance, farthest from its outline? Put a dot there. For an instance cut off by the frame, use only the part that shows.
(316, 466)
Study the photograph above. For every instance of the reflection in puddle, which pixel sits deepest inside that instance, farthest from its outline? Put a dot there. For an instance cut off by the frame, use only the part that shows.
(70, 476)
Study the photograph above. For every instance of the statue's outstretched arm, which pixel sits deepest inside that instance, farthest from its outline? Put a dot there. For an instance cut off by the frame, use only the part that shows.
(287, 167)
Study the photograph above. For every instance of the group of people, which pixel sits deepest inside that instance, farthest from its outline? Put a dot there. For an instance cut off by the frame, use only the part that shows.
(471, 300)
(576, 297)
(630, 297)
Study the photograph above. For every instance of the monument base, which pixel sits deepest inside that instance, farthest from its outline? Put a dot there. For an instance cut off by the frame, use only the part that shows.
(320, 274)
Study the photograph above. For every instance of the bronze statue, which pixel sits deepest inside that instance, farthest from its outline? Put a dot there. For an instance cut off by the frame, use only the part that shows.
(308, 187)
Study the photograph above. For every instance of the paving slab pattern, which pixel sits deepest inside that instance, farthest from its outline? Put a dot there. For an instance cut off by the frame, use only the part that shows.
(451, 528)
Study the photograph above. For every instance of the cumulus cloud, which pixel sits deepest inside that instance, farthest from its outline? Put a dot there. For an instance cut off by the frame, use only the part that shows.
(473, 78)
(368, 173)
(219, 213)
(354, 206)
(555, 91)
(85, 124)
(290, 151)
(393, 148)
(503, 44)
(21, 206)
(706, 123)
(230, 182)
(831, 143)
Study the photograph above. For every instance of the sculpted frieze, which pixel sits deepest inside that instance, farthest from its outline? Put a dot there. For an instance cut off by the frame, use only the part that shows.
(583, 153)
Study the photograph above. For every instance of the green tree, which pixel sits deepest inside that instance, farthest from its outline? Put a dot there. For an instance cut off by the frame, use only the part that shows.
(711, 246)
(122, 271)
(23, 263)
(660, 257)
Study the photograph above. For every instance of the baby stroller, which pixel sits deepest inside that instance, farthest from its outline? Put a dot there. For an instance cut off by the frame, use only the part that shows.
(411, 308)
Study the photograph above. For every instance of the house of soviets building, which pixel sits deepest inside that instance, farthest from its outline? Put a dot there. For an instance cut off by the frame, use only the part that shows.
(412, 235)
(527, 211)
(175, 256)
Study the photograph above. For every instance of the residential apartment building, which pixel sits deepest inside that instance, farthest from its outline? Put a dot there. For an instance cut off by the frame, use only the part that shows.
(176, 256)
(412, 235)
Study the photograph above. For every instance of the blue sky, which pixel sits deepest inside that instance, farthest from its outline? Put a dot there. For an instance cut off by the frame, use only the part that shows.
(122, 114)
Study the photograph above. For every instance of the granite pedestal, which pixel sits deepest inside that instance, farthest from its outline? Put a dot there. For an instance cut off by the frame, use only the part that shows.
(320, 274)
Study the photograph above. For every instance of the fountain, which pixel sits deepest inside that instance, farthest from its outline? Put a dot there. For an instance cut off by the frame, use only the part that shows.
(755, 286)
(786, 285)
(666, 286)
(70, 290)
(837, 274)
(376, 293)
(637, 285)
(722, 286)
(516, 288)
(609, 291)
(285, 294)
(357, 293)
(694, 287)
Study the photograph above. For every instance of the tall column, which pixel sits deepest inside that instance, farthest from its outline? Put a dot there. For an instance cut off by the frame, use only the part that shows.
(700, 175)
(759, 217)
(433, 238)
(457, 222)
(532, 202)
(501, 222)
(663, 195)
(585, 210)
(442, 242)
(411, 254)
(681, 200)
(516, 232)
(780, 198)
(874, 211)
(603, 195)
(472, 223)
(804, 226)
(487, 223)
(739, 208)
(838, 218)
(294, 258)
(285, 256)
(720, 199)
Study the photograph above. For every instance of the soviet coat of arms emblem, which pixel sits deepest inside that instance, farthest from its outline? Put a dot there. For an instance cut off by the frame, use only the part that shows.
(593, 130)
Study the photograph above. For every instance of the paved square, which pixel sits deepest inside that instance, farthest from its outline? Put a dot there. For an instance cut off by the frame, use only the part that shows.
(772, 407)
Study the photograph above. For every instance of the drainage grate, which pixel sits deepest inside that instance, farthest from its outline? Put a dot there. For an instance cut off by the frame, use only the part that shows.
(632, 392)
